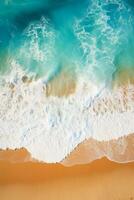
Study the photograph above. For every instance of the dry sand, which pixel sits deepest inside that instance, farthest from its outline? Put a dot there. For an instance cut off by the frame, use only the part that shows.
(99, 180)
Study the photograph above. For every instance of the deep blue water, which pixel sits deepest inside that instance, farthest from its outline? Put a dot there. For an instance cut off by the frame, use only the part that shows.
(45, 36)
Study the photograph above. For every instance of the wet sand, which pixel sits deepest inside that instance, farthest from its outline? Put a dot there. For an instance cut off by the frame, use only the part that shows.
(99, 180)
(120, 150)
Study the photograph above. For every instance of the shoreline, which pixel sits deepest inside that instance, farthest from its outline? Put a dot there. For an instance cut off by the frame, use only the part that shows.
(119, 151)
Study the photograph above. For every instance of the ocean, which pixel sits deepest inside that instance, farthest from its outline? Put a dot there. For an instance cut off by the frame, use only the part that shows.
(46, 36)
(60, 61)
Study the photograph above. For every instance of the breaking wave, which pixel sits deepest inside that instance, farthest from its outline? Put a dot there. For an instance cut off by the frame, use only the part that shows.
(60, 47)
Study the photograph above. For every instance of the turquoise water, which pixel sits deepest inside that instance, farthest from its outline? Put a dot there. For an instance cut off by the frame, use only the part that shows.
(95, 37)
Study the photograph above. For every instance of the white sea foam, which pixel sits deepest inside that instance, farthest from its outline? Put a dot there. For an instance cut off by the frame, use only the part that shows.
(100, 33)
(51, 127)
(37, 52)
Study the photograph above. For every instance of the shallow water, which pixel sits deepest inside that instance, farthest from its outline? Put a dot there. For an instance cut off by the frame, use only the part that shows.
(45, 36)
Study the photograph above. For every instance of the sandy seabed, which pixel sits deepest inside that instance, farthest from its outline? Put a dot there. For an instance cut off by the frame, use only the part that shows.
(99, 180)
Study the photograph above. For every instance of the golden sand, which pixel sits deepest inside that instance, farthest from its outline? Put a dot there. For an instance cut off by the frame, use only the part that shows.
(99, 180)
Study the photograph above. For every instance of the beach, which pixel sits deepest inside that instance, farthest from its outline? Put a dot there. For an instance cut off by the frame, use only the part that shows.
(67, 100)
(99, 180)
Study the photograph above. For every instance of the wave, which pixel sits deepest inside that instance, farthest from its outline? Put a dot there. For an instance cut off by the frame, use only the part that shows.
(83, 53)
(51, 127)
